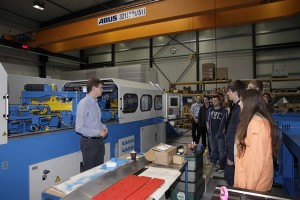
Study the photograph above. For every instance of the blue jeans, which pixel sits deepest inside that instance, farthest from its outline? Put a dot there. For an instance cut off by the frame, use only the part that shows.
(217, 146)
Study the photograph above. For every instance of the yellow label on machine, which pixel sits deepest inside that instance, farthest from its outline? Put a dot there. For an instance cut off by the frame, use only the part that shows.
(57, 179)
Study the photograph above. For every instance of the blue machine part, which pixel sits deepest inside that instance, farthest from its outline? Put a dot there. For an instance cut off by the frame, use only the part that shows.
(66, 119)
(287, 120)
(33, 118)
(291, 160)
(73, 97)
(102, 102)
(29, 118)
(108, 114)
(38, 117)
(287, 172)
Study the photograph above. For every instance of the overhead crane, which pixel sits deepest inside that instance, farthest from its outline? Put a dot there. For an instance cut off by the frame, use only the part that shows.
(162, 18)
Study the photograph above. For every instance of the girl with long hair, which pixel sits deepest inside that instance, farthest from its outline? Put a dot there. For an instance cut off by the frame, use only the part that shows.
(256, 144)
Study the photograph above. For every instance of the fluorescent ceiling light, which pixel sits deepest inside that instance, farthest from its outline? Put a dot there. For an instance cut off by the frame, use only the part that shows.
(38, 5)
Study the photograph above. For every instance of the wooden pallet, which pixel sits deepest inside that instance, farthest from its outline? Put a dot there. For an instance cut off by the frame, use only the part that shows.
(187, 125)
(222, 79)
(207, 79)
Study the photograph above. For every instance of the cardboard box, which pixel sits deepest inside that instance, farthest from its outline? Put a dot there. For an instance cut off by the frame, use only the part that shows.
(186, 90)
(222, 73)
(187, 148)
(207, 173)
(205, 157)
(161, 154)
(208, 65)
(178, 159)
(207, 78)
(208, 71)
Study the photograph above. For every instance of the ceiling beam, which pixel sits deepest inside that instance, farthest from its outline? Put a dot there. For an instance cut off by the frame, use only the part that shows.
(205, 21)
(259, 13)
(161, 11)
(86, 12)
(152, 30)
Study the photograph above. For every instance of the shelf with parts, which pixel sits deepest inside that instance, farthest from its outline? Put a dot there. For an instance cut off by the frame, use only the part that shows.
(268, 80)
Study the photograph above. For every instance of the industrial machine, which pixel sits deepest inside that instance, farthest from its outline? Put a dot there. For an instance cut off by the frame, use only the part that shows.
(43, 108)
(39, 146)
(173, 113)
(287, 172)
(173, 103)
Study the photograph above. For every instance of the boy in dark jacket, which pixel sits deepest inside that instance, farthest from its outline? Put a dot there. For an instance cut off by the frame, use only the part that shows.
(234, 90)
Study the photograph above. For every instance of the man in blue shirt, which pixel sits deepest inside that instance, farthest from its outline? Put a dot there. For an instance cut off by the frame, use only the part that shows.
(194, 114)
(89, 126)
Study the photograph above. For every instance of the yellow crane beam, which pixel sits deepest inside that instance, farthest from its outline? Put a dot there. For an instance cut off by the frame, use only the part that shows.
(222, 18)
(162, 11)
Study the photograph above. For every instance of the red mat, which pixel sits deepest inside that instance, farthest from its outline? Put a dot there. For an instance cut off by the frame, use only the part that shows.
(145, 191)
(130, 188)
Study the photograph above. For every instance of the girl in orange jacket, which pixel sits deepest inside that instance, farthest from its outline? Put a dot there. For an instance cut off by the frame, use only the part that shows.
(256, 144)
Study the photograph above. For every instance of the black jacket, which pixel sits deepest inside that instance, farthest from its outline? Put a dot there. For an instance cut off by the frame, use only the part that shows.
(202, 115)
(233, 121)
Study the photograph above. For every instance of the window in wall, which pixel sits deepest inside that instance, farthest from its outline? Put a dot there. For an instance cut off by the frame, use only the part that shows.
(130, 102)
(146, 102)
(158, 102)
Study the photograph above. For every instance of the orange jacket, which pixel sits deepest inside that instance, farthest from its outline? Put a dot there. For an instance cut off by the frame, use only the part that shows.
(254, 170)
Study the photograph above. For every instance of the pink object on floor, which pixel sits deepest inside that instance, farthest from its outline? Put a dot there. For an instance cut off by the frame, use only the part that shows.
(223, 193)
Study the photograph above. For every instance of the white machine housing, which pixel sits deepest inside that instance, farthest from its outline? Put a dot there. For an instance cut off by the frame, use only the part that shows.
(172, 104)
(4, 106)
(126, 87)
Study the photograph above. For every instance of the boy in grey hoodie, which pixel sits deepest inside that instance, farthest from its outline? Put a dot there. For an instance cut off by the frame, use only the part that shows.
(216, 119)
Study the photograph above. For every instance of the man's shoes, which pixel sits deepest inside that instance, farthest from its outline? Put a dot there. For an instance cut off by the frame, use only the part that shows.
(219, 170)
(212, 163)
(216, 165)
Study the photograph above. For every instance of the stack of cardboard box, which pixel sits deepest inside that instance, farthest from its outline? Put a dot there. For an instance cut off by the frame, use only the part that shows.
(208, 71)
(186, 90)
(222, 73)
(187, 123)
